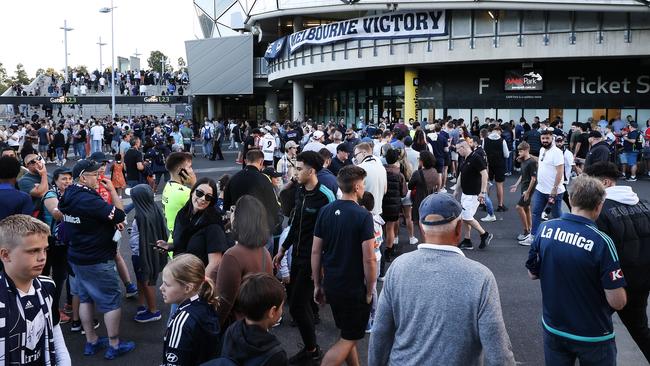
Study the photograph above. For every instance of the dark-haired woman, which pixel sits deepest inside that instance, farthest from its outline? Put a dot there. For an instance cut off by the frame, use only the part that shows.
(248, 255)
(198, 228)
(425, 180)
(419, 141)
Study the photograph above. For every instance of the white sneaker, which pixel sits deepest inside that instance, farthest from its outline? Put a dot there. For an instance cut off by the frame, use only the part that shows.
(453, 180)
(452, 188)
(521, 237)
(443, 190)
(413, 240)
(527, 242)
(396, 241)
(489, 218)
(380, 279)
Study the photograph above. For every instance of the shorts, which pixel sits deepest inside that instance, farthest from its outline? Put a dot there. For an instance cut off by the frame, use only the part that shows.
(470, 204)
(522, 202)
(98, 284)
(406, 201)
(497, 173)
(447, 159)
(440, 163)
(454, 156)
(622, 158)
(74, 285)
(42, 148)
(631, 157)
(350, 315)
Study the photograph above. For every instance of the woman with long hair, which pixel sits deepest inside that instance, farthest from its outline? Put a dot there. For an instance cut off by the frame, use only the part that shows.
(193, 335)
(419, 141)
(147, 228)
(248, 255)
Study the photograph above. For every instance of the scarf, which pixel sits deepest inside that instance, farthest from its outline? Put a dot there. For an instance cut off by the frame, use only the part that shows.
(10, 309)
(151, 227)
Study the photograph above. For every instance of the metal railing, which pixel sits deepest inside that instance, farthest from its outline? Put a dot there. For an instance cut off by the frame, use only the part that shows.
(260, 68)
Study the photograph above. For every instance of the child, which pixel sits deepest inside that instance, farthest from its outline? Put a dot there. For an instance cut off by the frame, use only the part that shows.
(368, 202)
(28, 333)
(118, 171)
(248, 341)
(193, 331)
(528, 180)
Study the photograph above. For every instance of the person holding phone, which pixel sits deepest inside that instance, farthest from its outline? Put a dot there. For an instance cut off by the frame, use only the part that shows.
(177, 189)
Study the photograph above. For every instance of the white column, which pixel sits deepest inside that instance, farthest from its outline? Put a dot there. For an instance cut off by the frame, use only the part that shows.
(298, 100)
(271, 106)
(211, 107)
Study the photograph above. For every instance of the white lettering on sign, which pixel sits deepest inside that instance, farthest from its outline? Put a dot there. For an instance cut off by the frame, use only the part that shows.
(483, 83)
(582, 85)
(569, 238)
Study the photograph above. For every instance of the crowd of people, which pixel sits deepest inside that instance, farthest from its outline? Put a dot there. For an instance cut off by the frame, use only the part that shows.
(314, 217)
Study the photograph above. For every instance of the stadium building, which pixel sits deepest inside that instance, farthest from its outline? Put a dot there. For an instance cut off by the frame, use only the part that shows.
(365, 59)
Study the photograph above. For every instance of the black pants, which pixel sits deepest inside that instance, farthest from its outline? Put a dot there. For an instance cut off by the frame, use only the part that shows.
(56, 266)
(635, 318)
(216, 149)
(302, 294)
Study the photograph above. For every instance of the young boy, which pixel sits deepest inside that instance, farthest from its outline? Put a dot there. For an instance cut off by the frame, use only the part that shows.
(28, 335)
(368, 202)
(261, 298)
(528, 180)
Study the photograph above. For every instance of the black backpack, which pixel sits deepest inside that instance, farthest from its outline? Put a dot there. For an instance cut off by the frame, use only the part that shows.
(260, 360)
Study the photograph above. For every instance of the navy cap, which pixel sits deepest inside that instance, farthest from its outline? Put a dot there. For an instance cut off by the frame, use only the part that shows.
(439, 209)
(271, 172)
(58, 171)
(98, 157)
(84, 166)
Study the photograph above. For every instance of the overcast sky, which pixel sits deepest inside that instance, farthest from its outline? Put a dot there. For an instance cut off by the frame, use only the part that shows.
(31, 35)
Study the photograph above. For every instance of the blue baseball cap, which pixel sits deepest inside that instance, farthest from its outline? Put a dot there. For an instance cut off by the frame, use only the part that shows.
(439, 209)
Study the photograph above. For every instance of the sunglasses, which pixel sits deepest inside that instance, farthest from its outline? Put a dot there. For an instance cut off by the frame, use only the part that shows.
(35, 160)
(199, 194)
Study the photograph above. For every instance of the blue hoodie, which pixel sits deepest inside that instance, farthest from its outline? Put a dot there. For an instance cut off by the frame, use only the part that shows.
(89, 223)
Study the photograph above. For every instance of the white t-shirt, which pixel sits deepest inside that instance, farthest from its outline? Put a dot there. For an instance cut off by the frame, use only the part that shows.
(546, 171)
(102, 81)
(97, 132)
(569, 163)
(376, 149)
(84, 89)
(268, 146)
(376, 181)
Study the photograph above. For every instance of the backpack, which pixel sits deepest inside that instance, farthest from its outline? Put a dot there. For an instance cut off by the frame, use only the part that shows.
(207, 133)
(260, 360)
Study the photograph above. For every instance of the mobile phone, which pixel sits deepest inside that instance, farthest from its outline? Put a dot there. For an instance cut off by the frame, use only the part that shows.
(158, 247)
(183, 173)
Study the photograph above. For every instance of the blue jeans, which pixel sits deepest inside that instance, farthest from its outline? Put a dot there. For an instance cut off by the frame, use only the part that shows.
(59, 153)
(537, 203)
(207, 148)
(509, 162)
(560, 351)
(95, 146)
(80, 150)
(489, 207)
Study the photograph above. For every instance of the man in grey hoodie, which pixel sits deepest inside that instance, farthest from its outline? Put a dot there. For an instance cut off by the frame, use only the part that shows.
(457, 322)
(626, 219)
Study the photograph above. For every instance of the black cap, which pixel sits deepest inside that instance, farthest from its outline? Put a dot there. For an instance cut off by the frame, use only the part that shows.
(98, 157)
(271, 172)
(59, 171)
(84, 166)
(596, 134)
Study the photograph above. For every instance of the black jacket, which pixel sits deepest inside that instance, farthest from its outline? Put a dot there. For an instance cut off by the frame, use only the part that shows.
(395, 190)
(303, 221)
(629, 228)
(243, 342)
(251, 181)
(193, 335)
(199, 234)
(598, 152)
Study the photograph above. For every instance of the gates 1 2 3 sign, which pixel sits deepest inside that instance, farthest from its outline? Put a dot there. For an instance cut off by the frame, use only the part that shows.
(524, 80)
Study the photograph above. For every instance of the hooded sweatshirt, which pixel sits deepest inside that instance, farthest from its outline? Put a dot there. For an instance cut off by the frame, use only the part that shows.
(243, 342)
(626, 219)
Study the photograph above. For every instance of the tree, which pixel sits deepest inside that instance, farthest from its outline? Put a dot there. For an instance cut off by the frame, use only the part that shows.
(51, 71)
(40, 72)
(181, 64)
(155, 61)
(21, 75)
(4, 79)
(81, 69)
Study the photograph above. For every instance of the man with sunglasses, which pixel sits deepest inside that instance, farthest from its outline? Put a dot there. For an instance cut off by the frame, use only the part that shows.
(34, 182)
(549, 189)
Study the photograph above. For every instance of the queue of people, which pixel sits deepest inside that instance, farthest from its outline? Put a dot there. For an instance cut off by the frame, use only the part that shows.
(314, 218)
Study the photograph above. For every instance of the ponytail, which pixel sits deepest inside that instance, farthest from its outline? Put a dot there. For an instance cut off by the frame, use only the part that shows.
(208, 292)
(189, 269)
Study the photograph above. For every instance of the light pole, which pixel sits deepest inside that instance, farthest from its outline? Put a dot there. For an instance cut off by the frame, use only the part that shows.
(101, 67)
(66, 29)
(111, 10)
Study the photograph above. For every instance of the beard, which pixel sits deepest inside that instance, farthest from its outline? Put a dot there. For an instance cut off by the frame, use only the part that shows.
(547, 145)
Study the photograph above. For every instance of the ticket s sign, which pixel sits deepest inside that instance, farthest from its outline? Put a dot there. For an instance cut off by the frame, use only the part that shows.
(405, 24)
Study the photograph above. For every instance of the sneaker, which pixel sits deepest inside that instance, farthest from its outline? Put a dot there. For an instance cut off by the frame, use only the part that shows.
(67, 308)
(523, 236)
(527, 242)
(63, 318)
(632, 178)
(466, 244)
(485, 240)
(305, 355)
(413, 240)
(452, 180)
(141, 309)
(121, 349)
(502, 209)
(131, 290)
(91, 348)
(380, 279)
(443, 190)
(369, 327)
(75, 326)
(95, 326)
(396, 241)
(147, 317)
(449, 175)
(489, 218)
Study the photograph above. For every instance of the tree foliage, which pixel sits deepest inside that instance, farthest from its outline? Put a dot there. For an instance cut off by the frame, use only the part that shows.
(21, 75)
(155, 61)
(4, 79)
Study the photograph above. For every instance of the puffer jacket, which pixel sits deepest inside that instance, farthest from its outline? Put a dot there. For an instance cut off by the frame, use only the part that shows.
(626, 220)
(395, 191)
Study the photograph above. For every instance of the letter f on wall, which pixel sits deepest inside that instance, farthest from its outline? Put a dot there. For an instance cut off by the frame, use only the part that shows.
(482, 84)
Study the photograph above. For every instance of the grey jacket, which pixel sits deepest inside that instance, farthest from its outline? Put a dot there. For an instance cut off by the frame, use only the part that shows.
(439, 308)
